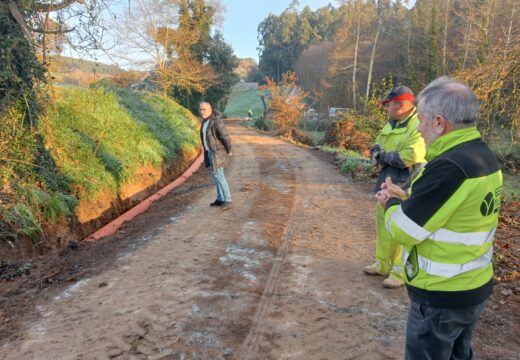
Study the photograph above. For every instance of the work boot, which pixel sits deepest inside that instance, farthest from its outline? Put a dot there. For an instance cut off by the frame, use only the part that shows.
(216, 203)
(226, 205)
(392, 283)
(373, 270)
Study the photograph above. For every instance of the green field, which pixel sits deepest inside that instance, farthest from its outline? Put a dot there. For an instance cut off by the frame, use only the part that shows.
(241, 100)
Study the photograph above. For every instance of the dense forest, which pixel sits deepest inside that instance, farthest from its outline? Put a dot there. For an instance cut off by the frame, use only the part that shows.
(349, 55)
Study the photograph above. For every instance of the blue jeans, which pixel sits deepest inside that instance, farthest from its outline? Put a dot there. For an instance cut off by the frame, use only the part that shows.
(219, 178)
(439, 333)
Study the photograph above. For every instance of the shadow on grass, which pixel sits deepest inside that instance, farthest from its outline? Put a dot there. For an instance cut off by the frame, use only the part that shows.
(109, 161)
(48, 172)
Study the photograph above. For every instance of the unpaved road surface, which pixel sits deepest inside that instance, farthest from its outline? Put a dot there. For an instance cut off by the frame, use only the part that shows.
(278, 276)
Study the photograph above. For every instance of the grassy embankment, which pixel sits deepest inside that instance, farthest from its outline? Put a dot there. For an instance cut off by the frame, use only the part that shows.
(114, 144)
(104, 150)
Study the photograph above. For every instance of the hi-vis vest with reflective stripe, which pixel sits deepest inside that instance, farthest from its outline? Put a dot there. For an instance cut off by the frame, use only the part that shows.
(448, 223)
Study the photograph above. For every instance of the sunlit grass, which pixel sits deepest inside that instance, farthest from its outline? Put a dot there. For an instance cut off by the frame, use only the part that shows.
(100, 137)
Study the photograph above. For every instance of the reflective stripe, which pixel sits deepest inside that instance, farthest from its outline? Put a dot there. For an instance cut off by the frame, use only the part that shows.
(442, 235)
(451, 270)
(397, 269)
(407, 225)
(470, 238)
(405, 255)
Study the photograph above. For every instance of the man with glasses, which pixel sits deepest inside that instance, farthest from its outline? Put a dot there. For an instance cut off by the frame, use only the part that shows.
(217, 151)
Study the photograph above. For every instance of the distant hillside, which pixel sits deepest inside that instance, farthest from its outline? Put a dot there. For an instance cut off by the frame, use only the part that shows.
(78, 72)
(69, 64)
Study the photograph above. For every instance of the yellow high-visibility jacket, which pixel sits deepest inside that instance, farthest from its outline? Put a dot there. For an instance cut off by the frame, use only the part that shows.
(447, 225)
(403, 151)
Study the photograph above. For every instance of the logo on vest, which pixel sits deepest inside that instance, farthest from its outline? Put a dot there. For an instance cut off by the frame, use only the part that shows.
(491, 203)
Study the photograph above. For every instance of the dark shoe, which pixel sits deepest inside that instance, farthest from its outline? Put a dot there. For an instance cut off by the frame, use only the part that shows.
(226, 205)
(216, 203)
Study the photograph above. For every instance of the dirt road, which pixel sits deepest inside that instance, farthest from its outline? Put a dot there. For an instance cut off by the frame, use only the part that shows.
(275, 277)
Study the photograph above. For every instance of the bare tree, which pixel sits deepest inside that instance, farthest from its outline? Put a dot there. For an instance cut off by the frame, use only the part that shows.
(356, 50)
(372, 57)
(312, 71)
(445, 36)
(510, 27)
(151, 36)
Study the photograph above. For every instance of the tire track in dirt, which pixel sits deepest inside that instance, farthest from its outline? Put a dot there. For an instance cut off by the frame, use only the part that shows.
(263, 305)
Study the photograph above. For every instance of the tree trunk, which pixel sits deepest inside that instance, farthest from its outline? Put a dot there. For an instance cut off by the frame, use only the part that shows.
(467, 37)
(408, 54)
(369, 80)
(355, 62)
(510, 29)
(486, 41)
(445, 37)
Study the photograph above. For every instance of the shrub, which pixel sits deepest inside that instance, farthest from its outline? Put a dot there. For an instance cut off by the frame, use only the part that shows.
(355, 132)
(357, 169)
(301, 137)
(355, 166)
(261, 124)
(285, 103)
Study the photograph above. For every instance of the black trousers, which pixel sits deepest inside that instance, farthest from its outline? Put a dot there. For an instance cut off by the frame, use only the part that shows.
(440, 333)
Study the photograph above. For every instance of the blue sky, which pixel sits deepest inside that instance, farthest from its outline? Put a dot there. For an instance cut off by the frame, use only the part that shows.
(242, 17)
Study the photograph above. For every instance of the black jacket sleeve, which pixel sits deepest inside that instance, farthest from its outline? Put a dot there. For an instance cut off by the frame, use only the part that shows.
(440, 180)
(222, 134)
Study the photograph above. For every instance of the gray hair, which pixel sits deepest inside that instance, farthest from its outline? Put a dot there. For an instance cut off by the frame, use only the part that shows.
(456, 102)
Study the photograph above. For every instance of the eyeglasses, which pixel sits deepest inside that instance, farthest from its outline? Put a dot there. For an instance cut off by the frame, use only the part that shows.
(203, 109)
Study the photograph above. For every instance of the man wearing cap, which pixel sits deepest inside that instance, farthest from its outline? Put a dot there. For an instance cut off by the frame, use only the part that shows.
(399, 153)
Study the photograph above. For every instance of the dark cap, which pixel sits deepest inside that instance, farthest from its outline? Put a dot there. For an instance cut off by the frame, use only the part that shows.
(398, 93)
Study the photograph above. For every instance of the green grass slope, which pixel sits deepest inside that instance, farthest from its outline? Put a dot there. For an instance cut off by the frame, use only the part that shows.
(100, 137)
(107, 146)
